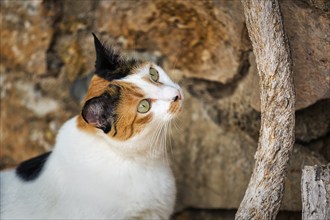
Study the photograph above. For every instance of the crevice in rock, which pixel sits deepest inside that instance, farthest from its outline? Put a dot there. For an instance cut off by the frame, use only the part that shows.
(306, 143)
(320, 5)
(320, 145)
(54, 62)
(207, 89)
(194, 213)
(313, 122)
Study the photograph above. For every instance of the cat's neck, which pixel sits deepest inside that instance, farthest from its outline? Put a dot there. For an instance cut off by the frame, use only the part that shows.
(147, 147)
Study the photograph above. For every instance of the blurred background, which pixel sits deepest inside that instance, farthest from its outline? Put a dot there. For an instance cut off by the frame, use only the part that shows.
(47, 59)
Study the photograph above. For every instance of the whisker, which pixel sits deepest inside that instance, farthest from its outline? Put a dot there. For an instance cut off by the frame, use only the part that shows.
(157, 147)
(165, 145)
(169, 137)
(176, 123)
(157, 141)
(161, 140)
(153, 139)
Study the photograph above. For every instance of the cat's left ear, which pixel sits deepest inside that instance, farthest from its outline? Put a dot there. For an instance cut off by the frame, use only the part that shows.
(99, 112)
(107, 60)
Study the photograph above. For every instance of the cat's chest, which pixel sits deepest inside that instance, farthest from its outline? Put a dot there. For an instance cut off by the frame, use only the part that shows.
(126, 186)
(133, 181)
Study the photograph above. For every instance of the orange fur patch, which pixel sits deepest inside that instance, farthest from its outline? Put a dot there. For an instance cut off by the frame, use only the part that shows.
(96, 87)
(128, 122)
(174, 107)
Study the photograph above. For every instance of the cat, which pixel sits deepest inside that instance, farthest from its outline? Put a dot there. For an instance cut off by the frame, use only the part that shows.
(108, 161)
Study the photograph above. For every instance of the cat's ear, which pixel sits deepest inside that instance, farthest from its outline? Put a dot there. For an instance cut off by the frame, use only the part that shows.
(98, 112)
(107, 60)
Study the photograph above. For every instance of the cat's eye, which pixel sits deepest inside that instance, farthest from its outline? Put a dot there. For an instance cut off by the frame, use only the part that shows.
(144, 106)
(154, 75)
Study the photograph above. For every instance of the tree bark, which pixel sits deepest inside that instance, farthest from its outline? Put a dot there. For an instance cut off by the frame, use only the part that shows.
(315, 192)
(264, 194)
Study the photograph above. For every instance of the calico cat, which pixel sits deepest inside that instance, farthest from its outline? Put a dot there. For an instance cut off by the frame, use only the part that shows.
(108, 162)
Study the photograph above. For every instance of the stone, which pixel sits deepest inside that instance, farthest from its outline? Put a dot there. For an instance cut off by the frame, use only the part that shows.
(308, 31)
(213, 166)
(77, 55)
(204, 46)
(324, 5)
(29, 119)
(207, 33)
(72, 51)
(25, 35)
(228, 105)
(224, 214)
(321, 145)
(209, 161)
(313, 122)
(32, 99)
(197, 214)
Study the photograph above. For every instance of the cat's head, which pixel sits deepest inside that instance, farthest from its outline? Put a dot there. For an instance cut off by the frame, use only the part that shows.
(127, 96)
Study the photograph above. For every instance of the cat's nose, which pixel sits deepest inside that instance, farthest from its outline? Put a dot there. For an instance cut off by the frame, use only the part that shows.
(178, 96)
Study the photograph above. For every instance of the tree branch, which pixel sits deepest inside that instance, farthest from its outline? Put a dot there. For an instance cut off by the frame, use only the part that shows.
(264, 194)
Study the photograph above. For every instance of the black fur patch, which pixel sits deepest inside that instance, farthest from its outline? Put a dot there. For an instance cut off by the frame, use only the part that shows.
(100, 111)
(109, 65)
(30, 169)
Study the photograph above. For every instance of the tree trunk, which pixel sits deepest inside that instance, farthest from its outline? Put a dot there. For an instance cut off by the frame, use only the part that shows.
(264, 194)
(315, 192)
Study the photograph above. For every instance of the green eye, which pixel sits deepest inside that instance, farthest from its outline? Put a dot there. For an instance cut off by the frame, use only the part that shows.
(154, 74)
(144, 106)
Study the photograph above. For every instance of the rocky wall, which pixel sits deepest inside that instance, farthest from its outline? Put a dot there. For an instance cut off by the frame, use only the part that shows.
(47, 59)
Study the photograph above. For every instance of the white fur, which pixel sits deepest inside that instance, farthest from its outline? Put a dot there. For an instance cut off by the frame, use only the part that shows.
(91, 176)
